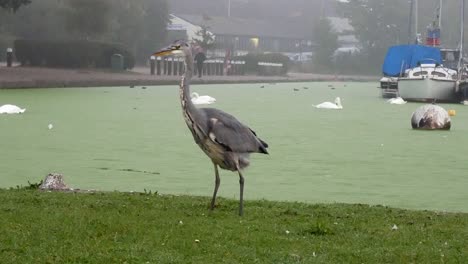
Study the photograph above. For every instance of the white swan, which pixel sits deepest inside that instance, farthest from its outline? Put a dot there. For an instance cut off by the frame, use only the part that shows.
(397, 100)
(11, 109)
(330, 105)
(204, 99)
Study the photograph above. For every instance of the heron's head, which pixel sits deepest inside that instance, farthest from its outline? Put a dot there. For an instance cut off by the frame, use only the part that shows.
(178, 48)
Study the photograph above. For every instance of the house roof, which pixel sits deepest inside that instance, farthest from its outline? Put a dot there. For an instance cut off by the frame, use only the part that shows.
(250, 27)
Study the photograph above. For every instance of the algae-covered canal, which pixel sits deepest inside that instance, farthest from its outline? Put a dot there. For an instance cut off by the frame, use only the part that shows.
(121, 138)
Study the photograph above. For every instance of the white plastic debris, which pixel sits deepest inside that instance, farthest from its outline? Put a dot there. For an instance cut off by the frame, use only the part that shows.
(180, 222)
(394, 227)
(50, 126)
(197, 241)
(287, 232)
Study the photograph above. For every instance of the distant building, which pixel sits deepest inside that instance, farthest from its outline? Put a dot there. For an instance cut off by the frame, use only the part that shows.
(241, 35)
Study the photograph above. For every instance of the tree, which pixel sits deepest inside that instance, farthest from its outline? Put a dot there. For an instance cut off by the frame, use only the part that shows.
(327, 43)
(377, 24)
(205, 39)
(87, 18)
(13, 5)
(42, 19)
(155, 22)
(140, 25)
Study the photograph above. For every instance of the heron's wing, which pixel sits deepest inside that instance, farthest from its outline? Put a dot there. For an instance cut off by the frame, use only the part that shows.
(227, 131)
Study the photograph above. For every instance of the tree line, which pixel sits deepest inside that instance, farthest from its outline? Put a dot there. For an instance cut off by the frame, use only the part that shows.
(140, 25)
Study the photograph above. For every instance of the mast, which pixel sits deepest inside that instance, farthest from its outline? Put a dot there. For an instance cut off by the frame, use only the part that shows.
(410, 22)
(440, 14)
(462, 35)
(416, 20)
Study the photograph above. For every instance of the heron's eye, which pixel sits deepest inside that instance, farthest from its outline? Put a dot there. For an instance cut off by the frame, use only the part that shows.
(176, 47)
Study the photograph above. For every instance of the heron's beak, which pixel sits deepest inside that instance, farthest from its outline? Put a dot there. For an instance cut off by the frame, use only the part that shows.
(170, 50)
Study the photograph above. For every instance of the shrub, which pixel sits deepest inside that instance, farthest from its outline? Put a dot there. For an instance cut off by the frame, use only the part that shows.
(70, 54)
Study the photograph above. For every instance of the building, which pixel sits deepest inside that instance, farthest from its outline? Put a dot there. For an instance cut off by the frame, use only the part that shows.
(241, 35)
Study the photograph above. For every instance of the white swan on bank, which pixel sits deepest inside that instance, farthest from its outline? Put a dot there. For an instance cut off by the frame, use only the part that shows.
(397, 100)
(11, 109)
(203, 99)
(330, 105)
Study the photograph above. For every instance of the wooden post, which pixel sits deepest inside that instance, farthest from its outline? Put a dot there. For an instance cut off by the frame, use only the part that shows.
(152, 64)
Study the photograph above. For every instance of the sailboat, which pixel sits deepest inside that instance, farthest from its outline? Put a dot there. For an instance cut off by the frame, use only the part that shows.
(430, 80)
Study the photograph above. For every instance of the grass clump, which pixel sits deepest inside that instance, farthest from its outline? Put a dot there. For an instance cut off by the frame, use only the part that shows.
(114, 227)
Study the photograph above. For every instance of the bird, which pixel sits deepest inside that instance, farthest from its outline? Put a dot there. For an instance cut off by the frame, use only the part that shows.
(202, 99)
(430, 117)
(11, 109)
(330, 105)
(295, 89)
(223, 138)
(396, 100)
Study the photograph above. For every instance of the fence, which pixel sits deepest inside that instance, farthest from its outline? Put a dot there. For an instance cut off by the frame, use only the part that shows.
(213, 67)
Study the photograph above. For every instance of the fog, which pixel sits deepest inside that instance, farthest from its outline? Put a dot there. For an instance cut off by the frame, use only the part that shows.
(319, 35)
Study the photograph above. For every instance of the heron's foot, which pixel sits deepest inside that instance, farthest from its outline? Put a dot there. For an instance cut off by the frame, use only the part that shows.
(213, 206)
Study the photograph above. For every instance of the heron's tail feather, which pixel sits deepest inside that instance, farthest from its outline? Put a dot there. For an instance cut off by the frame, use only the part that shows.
(263, 147)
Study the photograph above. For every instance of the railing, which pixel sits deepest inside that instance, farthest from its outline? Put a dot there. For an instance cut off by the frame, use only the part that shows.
(174, 66)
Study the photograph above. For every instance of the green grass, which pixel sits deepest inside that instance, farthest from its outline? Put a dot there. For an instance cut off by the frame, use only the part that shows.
(42, 227)
(118, 138)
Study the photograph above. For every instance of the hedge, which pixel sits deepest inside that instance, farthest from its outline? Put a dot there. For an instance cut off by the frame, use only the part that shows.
(70, 54)
(252, 60)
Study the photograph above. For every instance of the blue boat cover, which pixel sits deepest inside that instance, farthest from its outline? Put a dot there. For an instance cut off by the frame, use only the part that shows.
(402, 57)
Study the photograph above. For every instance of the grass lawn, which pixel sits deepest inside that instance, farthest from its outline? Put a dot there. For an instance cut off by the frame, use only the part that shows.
(43, 227)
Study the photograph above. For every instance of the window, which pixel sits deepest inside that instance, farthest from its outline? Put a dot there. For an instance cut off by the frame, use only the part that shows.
(420, 73)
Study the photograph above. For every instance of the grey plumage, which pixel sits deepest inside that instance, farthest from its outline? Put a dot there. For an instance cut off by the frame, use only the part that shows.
(223, 138)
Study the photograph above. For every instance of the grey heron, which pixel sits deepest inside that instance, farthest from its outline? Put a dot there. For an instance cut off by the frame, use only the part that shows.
(224, 139)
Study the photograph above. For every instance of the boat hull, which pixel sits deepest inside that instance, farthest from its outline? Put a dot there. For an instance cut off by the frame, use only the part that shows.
(427, 89)
(389, 86)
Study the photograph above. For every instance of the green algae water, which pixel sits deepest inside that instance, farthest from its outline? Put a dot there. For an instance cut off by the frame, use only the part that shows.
(131, 139)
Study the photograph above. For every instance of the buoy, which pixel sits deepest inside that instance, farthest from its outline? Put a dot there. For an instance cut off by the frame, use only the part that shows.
(452, 112)
(430, 117)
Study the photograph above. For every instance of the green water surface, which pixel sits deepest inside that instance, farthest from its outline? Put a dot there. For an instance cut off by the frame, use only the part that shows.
(119, 138)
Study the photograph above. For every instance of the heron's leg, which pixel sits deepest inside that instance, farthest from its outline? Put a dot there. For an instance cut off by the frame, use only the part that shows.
(217, 182)
(241, 198)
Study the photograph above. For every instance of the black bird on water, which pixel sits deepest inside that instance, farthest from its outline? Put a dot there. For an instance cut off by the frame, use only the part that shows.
(224, 139)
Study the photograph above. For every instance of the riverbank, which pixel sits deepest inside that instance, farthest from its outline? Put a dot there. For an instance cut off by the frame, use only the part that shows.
(114, 227)
(36, 77)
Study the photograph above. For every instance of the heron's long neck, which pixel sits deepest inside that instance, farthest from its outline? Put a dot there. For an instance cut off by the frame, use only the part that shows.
(185, 99)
